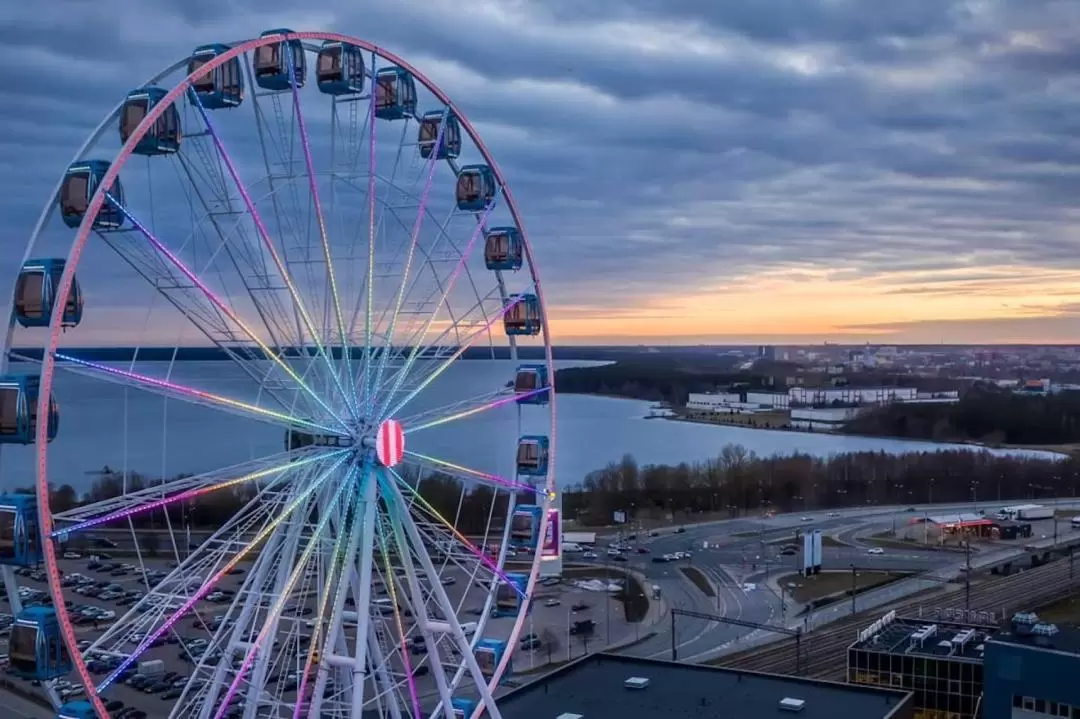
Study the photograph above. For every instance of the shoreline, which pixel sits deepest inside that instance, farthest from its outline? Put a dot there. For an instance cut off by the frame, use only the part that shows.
(1064, 450)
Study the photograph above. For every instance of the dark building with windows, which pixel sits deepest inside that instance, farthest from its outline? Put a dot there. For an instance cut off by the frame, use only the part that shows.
(610, 686)
(1032, 671)
(941, 663)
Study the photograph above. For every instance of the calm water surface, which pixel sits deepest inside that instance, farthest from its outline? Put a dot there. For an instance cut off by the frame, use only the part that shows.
(107, 424)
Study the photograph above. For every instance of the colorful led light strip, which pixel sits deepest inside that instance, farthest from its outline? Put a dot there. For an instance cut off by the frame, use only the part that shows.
(342, 550)
(479, 553)
(269, 243)
(390, 581)
(221, 574)
(493, 478)
(286, 595)
(420, 214)
(451, 359)
(369, 391)
(517, 397)
(321, 221)
(417, 346)
(197, 393)
(190, 494)
(219, 303)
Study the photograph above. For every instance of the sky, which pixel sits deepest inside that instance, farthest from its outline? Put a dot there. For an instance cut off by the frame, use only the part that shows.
(689, 171)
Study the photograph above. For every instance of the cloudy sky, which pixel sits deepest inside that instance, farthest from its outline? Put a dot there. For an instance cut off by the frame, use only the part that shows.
(689, 170)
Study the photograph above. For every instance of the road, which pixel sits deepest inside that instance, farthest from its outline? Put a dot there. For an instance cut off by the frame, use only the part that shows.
(15, 707)
(746, 551)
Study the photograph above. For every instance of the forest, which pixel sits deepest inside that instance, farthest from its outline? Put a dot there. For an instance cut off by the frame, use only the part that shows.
(984, 414)
(735, 483)
(660, 378)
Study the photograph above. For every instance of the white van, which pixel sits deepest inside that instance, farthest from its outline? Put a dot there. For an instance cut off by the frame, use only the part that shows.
(571, 547)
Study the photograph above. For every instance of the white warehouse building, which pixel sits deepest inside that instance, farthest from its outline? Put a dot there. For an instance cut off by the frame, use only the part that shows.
(820, 397)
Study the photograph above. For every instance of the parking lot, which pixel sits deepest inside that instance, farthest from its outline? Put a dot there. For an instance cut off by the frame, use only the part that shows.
(565, 621)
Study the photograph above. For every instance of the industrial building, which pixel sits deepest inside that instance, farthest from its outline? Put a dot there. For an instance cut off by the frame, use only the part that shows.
(1032, 670)
(608, 686)
(940, 662)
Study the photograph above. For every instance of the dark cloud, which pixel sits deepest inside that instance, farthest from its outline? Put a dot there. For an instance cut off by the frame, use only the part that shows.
(659, 148)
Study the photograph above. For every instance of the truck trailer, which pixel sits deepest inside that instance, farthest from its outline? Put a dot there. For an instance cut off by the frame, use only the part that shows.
(1035, 512)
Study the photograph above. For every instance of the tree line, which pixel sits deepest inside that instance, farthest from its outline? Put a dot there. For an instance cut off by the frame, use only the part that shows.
(986, 414)
(738, 482)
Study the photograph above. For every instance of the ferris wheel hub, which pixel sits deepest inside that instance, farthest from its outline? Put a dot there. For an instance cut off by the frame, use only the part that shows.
(388, 443)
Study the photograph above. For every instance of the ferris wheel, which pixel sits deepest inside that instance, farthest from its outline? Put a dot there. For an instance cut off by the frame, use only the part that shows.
(327, 226)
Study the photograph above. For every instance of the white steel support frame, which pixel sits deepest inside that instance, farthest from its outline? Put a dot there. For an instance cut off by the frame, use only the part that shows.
(277, 522)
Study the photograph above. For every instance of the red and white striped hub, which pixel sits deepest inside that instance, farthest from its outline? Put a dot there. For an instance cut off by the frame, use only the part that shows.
(390, 443)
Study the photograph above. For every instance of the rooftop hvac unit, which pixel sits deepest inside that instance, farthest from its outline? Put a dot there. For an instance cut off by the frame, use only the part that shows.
(636, 683)
(1044, 633)
(963, 637)
(1022, 622)
(789, 704)
(570, 715)
(945, 644)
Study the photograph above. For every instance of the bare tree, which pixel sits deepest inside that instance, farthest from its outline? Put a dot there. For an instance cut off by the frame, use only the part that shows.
(549, 638)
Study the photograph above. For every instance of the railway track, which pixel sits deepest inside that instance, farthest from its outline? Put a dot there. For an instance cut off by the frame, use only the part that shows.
(824, 651)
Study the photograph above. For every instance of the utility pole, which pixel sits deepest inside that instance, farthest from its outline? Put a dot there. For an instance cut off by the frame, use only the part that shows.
(674, 647)
(854, 585)
(967, 576)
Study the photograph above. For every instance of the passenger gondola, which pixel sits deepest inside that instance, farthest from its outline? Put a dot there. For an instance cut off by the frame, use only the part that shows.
(20, 538)
(164, 137)
(18, 410)
(80, 183)
(220, 88)
(475, 188)
(523, 317)
(339, 69)
(531, 384)
(395, 94)
(36, 649)
(503, 249)
(272, 62)
(449, 145)
(532, 455)
(35, 294)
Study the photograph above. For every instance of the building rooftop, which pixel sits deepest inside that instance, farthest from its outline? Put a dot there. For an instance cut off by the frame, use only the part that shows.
(595, 687)
(927, 638)
(1039, 635)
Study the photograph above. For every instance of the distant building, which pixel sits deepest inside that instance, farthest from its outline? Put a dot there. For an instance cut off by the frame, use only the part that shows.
(608, 686)
(824, 396)
(1031, 671)
(941, 662)
(767, 352)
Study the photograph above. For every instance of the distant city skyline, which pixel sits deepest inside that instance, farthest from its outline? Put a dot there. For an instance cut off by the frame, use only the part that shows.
(724, 172)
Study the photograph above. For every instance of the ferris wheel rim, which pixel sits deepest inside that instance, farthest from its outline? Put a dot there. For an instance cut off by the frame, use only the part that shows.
(48, 364)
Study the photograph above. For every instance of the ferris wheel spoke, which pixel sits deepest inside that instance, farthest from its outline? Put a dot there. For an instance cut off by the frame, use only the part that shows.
(415, 596)
(449, 288)
(449, 625)
(330, 606)
(300, 500)
(182, 489)
(190, 395)
(463, 410)
(190, 301)
(270, 625)
(250, 265)
(466, 474)
(169, 594)
(275, 256)
(221, 305)
(473, 318)
(320, 220)
(413, 240)
(446, 363)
